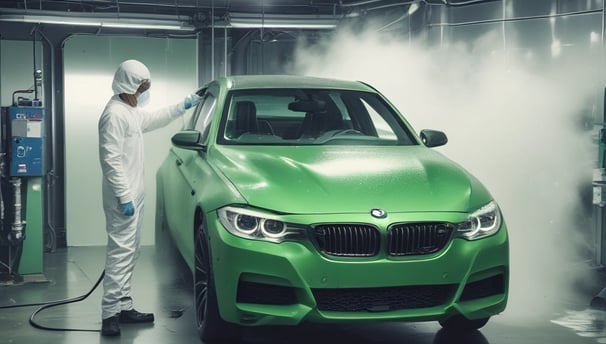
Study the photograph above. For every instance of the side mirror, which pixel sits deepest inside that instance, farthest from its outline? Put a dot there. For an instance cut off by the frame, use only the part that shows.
(433, 138)
(188, 139)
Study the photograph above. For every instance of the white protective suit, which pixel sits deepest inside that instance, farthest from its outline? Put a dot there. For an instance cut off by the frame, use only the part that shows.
(121, 129)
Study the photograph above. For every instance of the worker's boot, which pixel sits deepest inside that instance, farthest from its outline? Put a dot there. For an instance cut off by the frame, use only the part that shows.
(110, 327)
(132, 317)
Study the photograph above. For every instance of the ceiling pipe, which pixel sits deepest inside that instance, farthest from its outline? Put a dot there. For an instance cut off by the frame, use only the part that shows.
(361, 3)
(132, 21)
(516, 19)
(271, 21)
(465, 3)
(414, 7)
(169, 22)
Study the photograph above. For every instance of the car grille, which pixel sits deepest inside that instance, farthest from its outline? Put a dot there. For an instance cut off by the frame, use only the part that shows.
(382, 299)
(417, 238)
(359, 240)
(348, 240)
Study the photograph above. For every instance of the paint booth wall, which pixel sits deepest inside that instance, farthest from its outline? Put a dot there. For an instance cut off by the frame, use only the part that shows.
(17, 68)
(90, 63)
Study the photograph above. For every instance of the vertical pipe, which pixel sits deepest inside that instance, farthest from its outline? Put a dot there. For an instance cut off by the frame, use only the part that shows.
(17, 225)
(601, 217)
(443, 22)
(2, 151)
(0, 70)
(34, 60)
(409, 30)
(49, 178)
(200, 59)
(262, 40)
(212, 42)
(601, 214)
(503, 17)
(225, 51)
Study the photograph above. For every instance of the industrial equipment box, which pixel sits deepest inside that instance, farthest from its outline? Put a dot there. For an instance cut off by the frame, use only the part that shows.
(25, 136)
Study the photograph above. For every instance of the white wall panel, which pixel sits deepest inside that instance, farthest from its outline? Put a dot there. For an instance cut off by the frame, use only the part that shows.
(17, 68)
(90, 63)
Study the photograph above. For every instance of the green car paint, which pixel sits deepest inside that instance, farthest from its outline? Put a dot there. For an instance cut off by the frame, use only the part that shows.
(272, 203)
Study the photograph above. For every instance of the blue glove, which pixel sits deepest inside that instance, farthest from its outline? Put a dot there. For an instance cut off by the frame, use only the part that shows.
(127, 209)
(191, 100)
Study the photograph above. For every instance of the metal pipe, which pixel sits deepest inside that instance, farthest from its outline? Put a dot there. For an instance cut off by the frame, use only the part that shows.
(599, 214)
(391, 5)
(504, 15)
(17, 225)
(489, 21)
(225, 51)
(212, 40)
(465, 3)
(34, 60)
(80, 16)
(37, 73)
(50, 143)
(262, 40)
(0, 69)
(408, 14)
(360, 3)
(603, 22)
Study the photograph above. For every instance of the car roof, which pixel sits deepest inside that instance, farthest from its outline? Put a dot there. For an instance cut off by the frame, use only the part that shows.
(290, 81)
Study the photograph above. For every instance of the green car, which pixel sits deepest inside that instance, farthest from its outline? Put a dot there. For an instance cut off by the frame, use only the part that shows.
(297, 199)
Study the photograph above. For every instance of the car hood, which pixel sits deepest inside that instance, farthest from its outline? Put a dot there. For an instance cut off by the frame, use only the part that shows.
(346, 179)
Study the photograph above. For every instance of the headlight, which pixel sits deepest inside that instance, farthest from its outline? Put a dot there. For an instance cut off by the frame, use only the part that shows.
(481, 223)
(253, 224)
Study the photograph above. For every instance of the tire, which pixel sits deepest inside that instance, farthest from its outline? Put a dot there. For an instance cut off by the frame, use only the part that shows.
(459, 323)
(211, 327)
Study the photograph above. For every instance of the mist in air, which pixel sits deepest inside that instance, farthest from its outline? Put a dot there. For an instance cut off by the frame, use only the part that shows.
(514, 120)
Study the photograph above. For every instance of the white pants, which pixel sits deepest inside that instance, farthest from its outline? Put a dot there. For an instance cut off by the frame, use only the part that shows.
(123, 242)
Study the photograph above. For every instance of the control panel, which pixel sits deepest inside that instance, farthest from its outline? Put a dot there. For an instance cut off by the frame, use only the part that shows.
(25, 140)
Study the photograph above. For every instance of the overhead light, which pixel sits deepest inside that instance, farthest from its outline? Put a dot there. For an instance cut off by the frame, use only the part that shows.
(247, 20)
(59, 18)
(594, 37)
(413, 8)
(556, 48)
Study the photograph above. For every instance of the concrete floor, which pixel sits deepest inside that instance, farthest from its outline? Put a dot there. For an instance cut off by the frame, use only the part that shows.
(72, 272)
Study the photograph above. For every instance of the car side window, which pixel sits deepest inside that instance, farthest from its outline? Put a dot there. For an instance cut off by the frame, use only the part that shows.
(207, 108)
(384, 130)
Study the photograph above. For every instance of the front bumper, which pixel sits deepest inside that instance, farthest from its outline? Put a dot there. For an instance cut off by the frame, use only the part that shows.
(263, 283)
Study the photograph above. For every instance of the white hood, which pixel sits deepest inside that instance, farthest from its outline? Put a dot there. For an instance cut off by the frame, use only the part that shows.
(129, 76)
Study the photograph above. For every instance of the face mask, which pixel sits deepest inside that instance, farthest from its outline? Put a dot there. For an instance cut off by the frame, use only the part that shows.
(143, 99)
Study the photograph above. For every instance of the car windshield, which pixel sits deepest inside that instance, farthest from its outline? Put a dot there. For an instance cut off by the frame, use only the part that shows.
(310, 117)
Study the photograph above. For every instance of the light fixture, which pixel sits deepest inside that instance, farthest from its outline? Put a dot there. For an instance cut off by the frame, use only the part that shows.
(413, 8)
(84, 19)
(248, 20)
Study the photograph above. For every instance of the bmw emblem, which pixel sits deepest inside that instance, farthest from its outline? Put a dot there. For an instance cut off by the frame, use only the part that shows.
(378, 213)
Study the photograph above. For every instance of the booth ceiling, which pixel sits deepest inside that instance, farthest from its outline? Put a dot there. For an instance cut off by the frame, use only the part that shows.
(197, 8)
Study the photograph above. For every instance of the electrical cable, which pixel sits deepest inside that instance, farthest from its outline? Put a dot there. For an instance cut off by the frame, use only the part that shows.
(49, 304)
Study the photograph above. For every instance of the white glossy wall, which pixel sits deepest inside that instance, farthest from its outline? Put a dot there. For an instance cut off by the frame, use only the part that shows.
(17, 68)
(90, 63)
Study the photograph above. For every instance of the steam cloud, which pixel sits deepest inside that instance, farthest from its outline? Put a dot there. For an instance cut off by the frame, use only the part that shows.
(513, 119)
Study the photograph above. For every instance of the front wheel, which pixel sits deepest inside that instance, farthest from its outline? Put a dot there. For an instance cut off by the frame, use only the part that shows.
(459, 323)
(211, 328)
